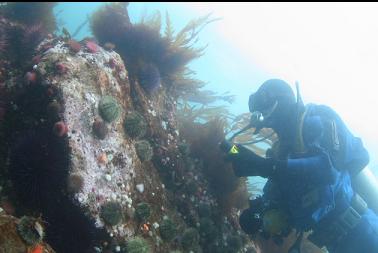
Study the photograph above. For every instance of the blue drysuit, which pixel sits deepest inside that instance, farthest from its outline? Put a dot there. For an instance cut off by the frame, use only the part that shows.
(315, 186)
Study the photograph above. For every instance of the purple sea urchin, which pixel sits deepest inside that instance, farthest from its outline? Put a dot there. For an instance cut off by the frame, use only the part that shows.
(75, 183)
(100, 129)
(53, 109)
(3, 42)
(38, 163)
(33, 35)
(66, 222)
(149, 77)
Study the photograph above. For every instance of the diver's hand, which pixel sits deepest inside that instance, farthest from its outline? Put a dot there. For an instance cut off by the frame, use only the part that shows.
(246, 162)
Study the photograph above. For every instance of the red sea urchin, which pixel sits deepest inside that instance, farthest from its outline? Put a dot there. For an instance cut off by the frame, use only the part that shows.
(74, 46)
(112, 63)
(60, 129)
(149, 77)
(61, 68)
(30, 78)
(91, 46)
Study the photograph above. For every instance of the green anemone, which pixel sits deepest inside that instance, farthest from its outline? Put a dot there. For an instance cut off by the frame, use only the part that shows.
(138, 245)
(144, 150)
(143, 211)
(190, 239)
(30, 230)
(111, 213)
(109, 108)
(167, 229)
(135, 125)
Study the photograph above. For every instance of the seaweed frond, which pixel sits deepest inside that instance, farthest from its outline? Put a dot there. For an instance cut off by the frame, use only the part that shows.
(204, 139)
(31, 13)
(202, 114)
(188, 36)
(153, 21)
(144, 43)
(109, 22)
(169, 31)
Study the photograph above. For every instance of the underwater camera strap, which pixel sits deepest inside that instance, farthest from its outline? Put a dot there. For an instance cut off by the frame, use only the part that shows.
(249, 142)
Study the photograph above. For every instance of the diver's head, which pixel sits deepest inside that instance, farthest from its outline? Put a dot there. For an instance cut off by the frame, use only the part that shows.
(271, 104)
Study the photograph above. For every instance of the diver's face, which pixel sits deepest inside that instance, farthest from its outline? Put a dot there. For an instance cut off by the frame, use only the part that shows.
(283, 118)
(279, 117)
(263, 118)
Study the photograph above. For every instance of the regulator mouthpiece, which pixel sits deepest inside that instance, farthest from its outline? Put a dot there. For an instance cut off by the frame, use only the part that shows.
(256, 117)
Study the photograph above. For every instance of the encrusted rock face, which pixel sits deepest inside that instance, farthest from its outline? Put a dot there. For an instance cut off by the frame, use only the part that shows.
(107, 169)
(106, 165)
(123, 192)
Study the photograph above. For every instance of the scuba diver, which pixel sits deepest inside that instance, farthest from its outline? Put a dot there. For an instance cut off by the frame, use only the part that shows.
(309, 171)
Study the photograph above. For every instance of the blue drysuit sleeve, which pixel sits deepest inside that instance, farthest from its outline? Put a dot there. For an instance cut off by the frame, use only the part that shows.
(315, 169)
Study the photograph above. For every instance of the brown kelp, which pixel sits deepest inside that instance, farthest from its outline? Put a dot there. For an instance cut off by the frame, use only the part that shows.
(204, 140)
(24, 24)
(109, 21)
(144, 47)
(31, 13)
(204, 126)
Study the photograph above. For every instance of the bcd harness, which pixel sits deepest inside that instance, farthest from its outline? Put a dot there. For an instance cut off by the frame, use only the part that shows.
(328, 231)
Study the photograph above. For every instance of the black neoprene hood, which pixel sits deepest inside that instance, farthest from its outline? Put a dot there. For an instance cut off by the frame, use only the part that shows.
(270, 91)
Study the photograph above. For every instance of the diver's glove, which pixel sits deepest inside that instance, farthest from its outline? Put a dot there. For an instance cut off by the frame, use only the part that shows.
(246, 162)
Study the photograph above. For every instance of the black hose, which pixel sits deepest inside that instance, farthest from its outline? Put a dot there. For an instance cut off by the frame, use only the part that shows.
(296, 248)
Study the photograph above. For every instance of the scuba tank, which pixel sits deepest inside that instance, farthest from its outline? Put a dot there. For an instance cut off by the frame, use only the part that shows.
(365, 184)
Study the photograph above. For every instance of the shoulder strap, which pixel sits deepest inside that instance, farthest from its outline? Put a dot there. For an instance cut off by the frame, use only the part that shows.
(299, 146)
